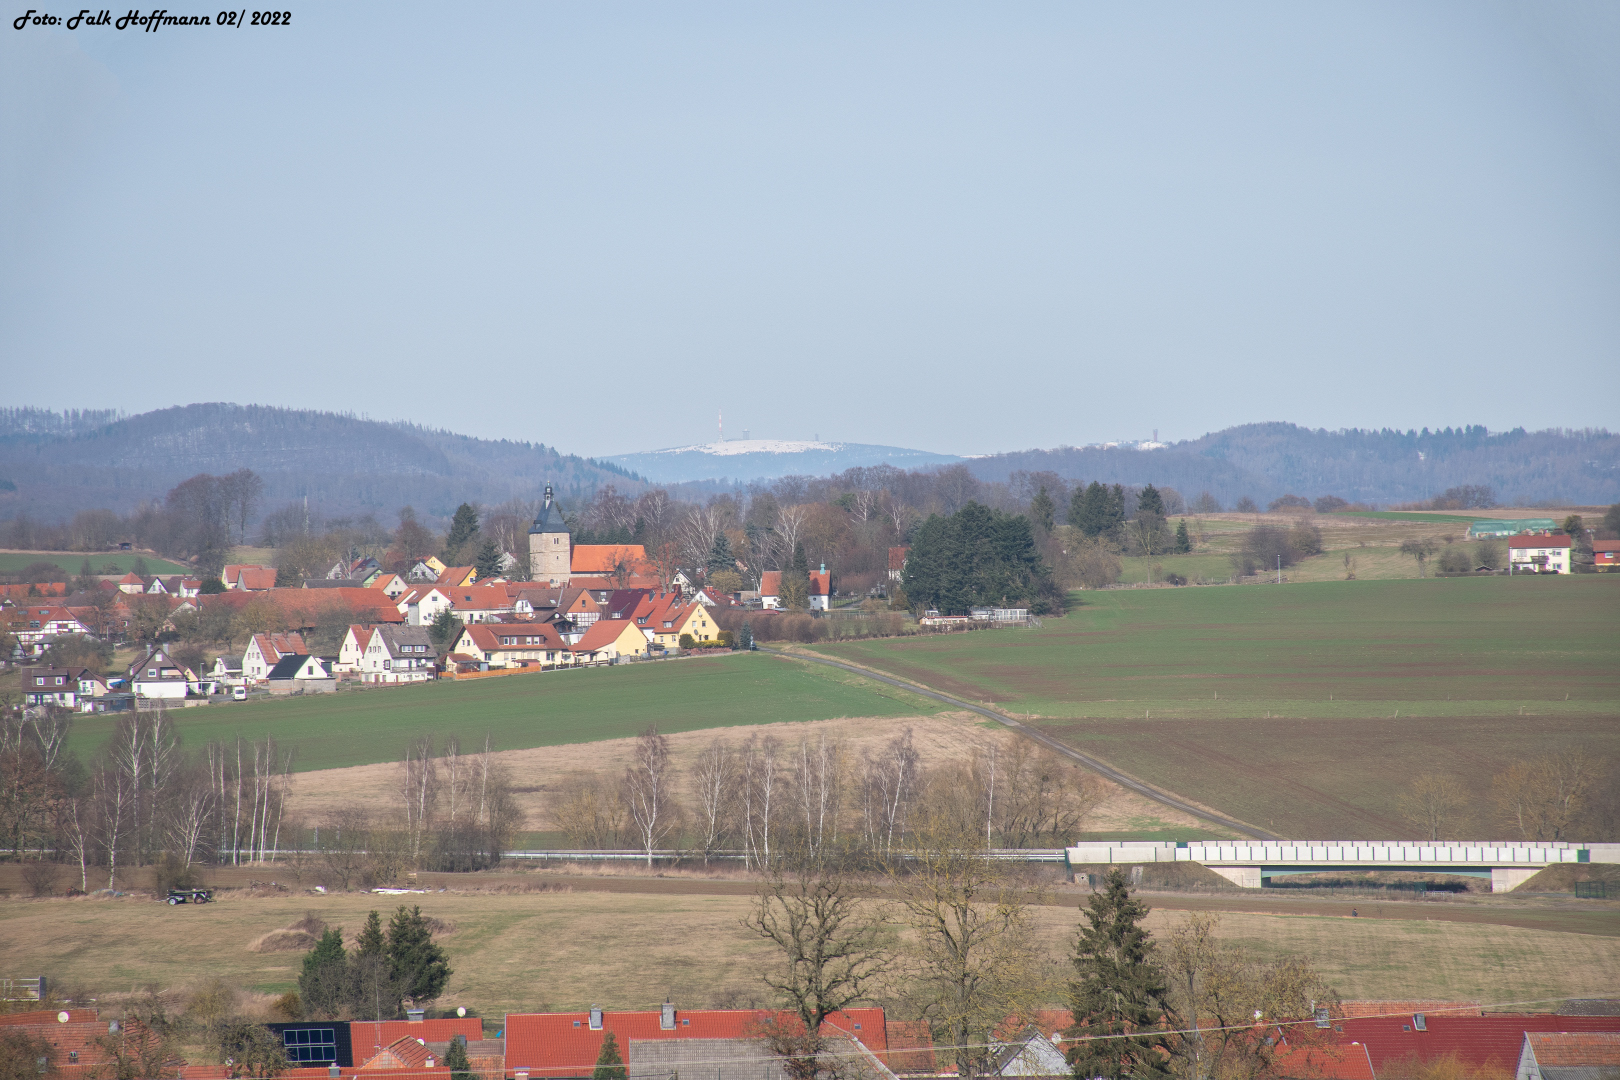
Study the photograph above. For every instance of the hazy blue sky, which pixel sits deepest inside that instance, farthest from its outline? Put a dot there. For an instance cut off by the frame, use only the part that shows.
(964, 228)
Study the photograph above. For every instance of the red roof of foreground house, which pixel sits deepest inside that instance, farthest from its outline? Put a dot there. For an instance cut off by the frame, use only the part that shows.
(1403, 1008)
(1475, 1040)
(1565, 1049)
(563, 1044)
(1347, 1061)
(370, 1037)
(770, 583)
(1530, 540)
(820, 583)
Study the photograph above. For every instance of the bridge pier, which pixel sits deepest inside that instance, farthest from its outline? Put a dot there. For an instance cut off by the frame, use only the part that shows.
(1244, 877)
(1508, 878)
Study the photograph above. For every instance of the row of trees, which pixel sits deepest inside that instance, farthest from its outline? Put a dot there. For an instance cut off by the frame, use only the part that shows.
(372, 980)
(978, 557)
(761, 796)
(1571, 793)
(144, 801)
(1191, 1006)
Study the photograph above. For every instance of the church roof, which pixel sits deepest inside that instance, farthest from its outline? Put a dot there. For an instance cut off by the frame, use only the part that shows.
(549, 519)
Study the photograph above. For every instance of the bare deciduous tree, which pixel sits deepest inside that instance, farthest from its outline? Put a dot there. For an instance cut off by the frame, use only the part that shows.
(1542, 798)
(1433, 802)
(587, 808)
(648, 791)
(715, 777)
(889, 785)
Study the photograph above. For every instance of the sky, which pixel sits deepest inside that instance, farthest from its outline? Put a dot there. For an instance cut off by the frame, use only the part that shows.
(965, 228)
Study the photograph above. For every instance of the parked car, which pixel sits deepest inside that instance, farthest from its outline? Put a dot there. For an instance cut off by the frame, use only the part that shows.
(238, 693)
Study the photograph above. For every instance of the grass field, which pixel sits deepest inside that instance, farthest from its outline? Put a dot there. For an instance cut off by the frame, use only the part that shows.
(566, 950)
(101, 562)
(361, 727)
(1305, 708)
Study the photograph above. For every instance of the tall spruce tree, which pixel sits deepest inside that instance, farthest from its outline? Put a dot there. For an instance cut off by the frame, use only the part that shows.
(462, 527)
(1119, 989)
(455, 1059)
(374, 988)
(488, 560)
(609, 1065)
(796, 581)
(323, 982)
(1149, 501)
(975, 557)
(420, 968)
(1183, 541)
(720, 556)
(1042, 510)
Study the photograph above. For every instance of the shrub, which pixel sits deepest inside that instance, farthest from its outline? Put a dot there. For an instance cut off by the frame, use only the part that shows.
(41, 876)
(1289, 502)
(1305, 538)
(727, 639)
(1246, 505)
(1330, 504)
(1489, 553)
(688, 642)
(169, 872)
(1263, 547)
(1455, 560)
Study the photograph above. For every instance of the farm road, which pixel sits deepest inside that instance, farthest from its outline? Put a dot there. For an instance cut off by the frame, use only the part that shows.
(1124, 780)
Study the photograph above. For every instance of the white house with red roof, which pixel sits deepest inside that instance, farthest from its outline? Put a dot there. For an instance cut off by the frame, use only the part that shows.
(1539, 553)
(264, 651)
(820, 589)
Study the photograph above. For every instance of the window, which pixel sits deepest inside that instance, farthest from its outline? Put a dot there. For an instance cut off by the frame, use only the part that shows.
(311, 1045)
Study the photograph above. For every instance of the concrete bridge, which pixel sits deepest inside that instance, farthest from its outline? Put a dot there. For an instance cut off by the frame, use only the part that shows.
(1249, 863)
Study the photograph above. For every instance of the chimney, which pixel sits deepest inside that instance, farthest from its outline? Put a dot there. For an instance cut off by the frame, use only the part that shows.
(666, 1017)
(596, 1018)
(332, 1070)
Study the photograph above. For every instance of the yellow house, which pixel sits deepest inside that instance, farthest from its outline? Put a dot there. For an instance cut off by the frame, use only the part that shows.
(608, 639)
(692, 619)
(457, 577)
(432, 563)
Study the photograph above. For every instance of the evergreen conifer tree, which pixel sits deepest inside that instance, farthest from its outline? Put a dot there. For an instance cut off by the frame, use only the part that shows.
(720, 556)
(796, 581)
(1183, 541)
(455, 1059)
(375, 989)
(1149, 501)
(1120, 989)
(1115, 516)
(462, 527)
(1042, 510)
(745, 636)
(488, 561)
(323, 981)
(609, 1065)
(420, 968)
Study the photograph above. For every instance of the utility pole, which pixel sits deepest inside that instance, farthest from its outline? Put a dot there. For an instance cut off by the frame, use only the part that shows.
(1279, 569)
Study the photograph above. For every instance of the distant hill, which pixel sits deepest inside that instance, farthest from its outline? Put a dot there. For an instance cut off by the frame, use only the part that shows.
(1264, 461)
(767, 459)
(65, 462)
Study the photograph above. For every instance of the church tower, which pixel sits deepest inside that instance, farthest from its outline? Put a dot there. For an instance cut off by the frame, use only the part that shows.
(550, 545)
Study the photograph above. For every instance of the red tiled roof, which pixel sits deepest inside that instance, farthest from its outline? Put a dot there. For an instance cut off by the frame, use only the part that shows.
(563, 1044)
(367, 1036)
(1475, 1040)
(602, 558)
(820, 584)
(605, 632)
(911, 1047)
(1568, 1048)
(257, 578)
(770, 583)
(457, 576)
(1346, 1061)
(1606, 545)
(1403, 1008)
(1531, 541)
(48, 1016)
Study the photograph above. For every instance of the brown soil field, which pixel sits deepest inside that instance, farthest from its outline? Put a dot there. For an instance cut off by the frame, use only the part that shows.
(567, 947)
(942, 738)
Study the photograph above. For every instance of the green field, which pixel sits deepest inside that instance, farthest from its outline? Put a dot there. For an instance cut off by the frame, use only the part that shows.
(1307, 708)
(363, 727)
(101, 562)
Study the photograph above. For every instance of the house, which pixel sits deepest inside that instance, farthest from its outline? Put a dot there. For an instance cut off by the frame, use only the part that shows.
(770, 589)
(424, 570)
(352, 647)
(578, 606)
(1562, 1055)
(248, 577)
(457, 577)
(897, 562)
(392, 585)
(502, 645)
(398, 654)
(157, 675)
(608, 640)
(226, 670)
(483, 603)
(622, 603)
(84, 1046)
(300, 673)
(405, 1052)
(359, 571)
(264, 651)
(616, 562)
(820, 589)
(551, 544)
(61, 686)
(1605, 555)
(669, 622)
(369, 1038)
(422, 604)
(559, 1045)
(36, 625)
(1029, 1054)
(132, 584)
(1543, 553)
(1494, 1041)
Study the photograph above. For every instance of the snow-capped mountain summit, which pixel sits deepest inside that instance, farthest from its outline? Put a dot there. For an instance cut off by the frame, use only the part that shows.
(766, 459)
